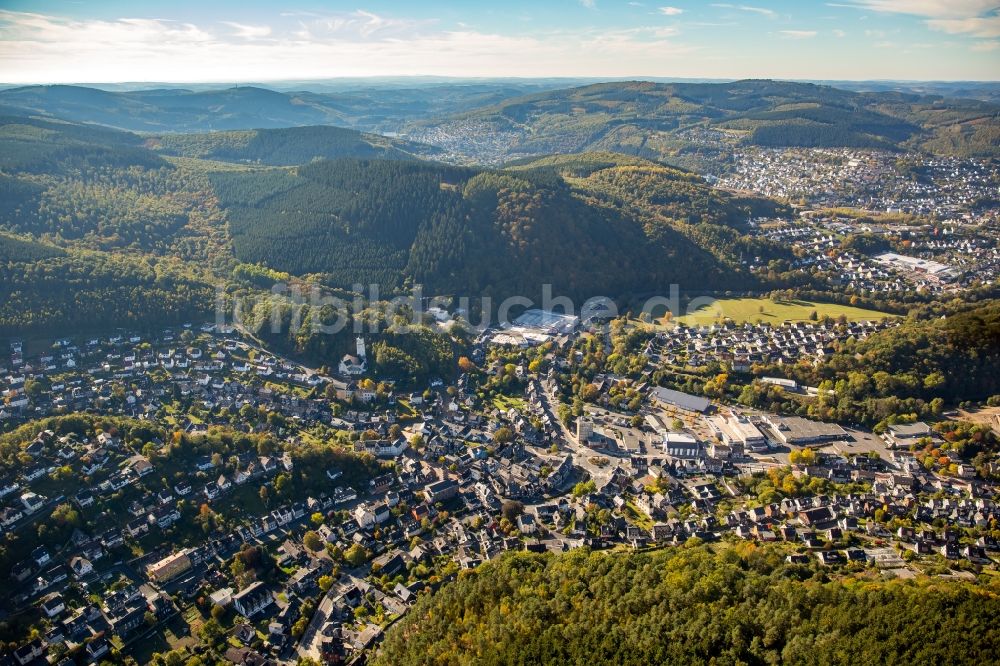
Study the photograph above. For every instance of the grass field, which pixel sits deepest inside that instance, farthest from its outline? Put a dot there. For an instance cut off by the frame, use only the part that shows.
(505, 402)
(742, 310)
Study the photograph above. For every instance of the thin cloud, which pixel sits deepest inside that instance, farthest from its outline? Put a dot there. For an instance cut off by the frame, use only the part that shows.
(663, 33)
(249, 31)
(41, 48)
(798, 34)
(925, 8)
(37, 47)
(124, 31)
(671, 11)
(984, 27)
(985, 46)
(977, 18)
(763, 11)
(364, 25)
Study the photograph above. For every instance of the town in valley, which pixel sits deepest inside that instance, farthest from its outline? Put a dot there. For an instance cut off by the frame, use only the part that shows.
(190, 512)
(447, 334)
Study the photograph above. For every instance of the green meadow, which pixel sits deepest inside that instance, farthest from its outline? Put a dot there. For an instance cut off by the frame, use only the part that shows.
(742, 310)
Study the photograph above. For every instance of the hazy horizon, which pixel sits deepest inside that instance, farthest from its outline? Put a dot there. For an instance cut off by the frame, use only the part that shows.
(52, 41)
(431, 79)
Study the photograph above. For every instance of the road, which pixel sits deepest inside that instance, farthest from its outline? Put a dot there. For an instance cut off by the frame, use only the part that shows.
(581, 454)
(250, 341)
(310, 642)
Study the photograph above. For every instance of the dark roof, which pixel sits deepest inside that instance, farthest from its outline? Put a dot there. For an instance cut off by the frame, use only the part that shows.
(686, 401)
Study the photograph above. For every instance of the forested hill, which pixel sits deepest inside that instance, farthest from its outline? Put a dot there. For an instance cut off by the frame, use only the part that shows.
(372, 106)
(743, 605)
(34, 145)
(91, 223)
(490, 123)
(498, 233)
(288, 146)
(569, 221)
(171, 109)
(48, 291)
(913, 368)
(91, 186)
(677, 120)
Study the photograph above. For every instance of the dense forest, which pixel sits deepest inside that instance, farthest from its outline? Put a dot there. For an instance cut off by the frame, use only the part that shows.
(72, 198)
(105, 208)
(821, 125)
(48, 291)
(669, 200)
(17, 250)
(741, 605)
(287, 146)
(493, 233)
(353, 221)
(569, 222)
(38, 146)
(92, 187)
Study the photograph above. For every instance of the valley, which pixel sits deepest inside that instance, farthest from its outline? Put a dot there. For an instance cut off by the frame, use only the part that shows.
(499, 371)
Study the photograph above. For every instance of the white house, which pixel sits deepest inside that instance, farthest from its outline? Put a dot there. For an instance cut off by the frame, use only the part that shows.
(81, 566)
(252, 600)
(32, 502)
(355, 365)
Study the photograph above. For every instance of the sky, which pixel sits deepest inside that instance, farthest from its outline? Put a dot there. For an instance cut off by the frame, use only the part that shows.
(95, 41)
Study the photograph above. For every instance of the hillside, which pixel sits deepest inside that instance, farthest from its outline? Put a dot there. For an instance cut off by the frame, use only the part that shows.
(50, 292)
(690, 606)
(667, 200)
(494, 122)
(37, 146)
(913, 368)
(668, 121)
(468, 231)
(170, 110)
(569, 221)
(89, 186)
(18, 250)
(71, 197)
(287, 147)
(364, 105)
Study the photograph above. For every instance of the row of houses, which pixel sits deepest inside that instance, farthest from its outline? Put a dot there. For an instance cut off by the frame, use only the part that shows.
(742, 346)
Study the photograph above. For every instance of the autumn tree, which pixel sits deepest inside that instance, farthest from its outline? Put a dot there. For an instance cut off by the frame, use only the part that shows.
(312, 541)
(356, 555)
(511, 509)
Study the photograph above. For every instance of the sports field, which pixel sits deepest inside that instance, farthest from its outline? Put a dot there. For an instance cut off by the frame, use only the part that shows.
(752, 310)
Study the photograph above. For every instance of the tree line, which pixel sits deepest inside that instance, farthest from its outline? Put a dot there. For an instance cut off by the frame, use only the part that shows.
(740, 605)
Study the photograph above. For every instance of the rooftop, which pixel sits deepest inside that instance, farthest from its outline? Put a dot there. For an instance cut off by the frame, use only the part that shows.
(686, 401)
